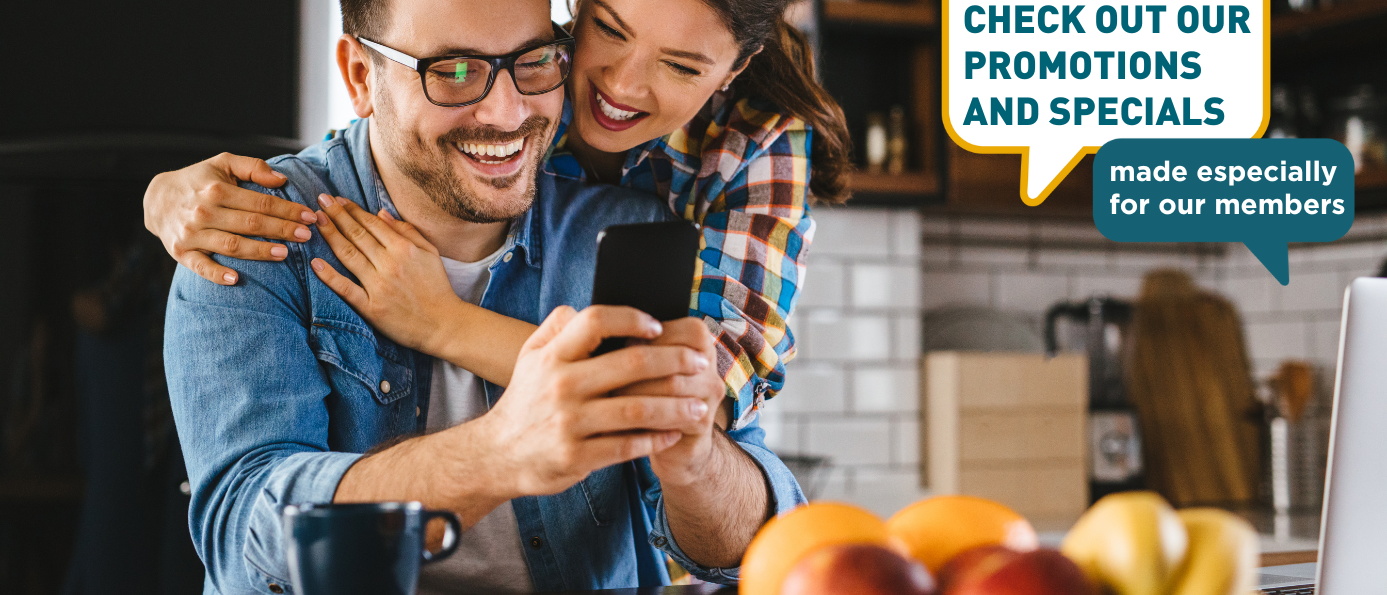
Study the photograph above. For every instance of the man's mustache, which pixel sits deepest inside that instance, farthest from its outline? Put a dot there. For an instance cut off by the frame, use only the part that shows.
(493, 136)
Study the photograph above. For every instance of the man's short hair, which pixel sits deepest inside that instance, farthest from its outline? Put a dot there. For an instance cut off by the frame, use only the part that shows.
(365, 18)
(369, 18)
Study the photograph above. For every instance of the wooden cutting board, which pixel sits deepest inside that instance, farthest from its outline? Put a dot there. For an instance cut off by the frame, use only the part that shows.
(1190, 382)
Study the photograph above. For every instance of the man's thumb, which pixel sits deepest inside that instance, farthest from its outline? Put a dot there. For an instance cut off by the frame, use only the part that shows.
(550, 328)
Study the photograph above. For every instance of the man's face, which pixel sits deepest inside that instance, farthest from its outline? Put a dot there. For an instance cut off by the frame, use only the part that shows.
(465, 158)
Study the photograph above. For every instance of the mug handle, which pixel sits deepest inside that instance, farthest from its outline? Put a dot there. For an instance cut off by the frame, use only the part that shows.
(449, 545)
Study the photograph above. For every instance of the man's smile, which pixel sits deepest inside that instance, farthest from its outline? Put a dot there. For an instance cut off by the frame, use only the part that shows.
(495, 159)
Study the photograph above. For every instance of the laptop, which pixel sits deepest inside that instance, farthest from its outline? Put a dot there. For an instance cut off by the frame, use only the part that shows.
(1355, 518)
(1289, 579)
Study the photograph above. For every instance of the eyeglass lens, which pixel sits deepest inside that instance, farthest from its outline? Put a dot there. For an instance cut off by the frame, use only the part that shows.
(462, 80)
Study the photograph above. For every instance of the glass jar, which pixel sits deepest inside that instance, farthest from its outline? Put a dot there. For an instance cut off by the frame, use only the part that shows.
(1356, 120)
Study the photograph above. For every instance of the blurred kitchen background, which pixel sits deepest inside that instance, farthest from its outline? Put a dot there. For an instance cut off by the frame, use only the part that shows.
(934, 302)
(922, 329)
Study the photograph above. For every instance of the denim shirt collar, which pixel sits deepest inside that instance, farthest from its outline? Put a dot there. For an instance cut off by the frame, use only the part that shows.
(523, 232)
(569, 166)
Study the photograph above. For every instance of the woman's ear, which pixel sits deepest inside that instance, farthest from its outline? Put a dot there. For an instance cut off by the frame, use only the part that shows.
(355, 65)
(733, 75)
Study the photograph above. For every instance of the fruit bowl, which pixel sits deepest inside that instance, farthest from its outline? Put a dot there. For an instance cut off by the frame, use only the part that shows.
(1131, 543)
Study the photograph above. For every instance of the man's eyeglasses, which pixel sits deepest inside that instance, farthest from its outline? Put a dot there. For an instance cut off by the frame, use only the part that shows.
(456, 81)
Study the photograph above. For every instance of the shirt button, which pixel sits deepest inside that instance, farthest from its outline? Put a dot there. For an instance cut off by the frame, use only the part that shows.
(385, 386)
(536, 542)
(507, 257)
(276, 589)
(660, 542)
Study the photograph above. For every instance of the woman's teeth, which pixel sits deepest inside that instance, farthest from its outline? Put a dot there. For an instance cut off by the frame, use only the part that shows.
(613, 113)
(500, 152)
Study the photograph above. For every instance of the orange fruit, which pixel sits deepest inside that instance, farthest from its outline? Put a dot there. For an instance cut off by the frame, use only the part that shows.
(934, 530)
(782, 542)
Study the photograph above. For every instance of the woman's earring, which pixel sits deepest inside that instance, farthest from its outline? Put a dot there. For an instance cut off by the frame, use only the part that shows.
(725, 87)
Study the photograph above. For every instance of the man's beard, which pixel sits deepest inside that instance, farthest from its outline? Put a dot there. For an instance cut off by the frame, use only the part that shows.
(429, 167)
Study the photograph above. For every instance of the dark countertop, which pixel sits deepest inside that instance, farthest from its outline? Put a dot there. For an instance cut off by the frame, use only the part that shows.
(683, 590)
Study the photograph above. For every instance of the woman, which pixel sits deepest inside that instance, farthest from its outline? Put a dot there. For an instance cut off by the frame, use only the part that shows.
(717, 122)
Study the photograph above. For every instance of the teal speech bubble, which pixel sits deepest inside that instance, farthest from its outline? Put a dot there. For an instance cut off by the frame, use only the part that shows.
(1264, 193)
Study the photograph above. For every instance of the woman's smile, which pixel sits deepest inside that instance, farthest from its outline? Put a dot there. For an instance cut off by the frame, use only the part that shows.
(610, 114)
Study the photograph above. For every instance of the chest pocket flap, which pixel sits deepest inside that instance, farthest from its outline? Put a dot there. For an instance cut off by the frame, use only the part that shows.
(383, 368)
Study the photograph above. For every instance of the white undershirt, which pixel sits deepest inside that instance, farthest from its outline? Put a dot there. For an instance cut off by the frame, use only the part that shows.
(489, 556)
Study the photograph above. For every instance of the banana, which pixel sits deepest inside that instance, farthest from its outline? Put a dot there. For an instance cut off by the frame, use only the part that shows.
(1223, 554)
(1131, 543)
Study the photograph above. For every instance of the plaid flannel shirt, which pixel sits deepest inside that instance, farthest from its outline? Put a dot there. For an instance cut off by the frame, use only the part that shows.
(741, 172)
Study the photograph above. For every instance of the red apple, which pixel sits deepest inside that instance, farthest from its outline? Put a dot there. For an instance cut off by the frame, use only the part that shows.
(974, 565)
(857, 570)
(995, 570)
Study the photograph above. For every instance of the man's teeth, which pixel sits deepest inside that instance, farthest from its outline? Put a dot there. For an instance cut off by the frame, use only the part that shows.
(613, 113)
(503, 152)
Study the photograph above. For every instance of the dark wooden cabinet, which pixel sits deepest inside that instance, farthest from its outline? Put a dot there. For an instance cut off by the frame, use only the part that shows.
(876, 55)
(1326, 53)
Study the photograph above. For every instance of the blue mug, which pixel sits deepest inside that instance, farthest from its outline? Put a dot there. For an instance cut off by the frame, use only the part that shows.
(371, 548)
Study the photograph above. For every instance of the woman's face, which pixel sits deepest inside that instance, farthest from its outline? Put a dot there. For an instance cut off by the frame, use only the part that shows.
(643, 68)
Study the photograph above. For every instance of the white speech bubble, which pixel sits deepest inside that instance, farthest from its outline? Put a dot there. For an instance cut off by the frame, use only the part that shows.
(1234, 67)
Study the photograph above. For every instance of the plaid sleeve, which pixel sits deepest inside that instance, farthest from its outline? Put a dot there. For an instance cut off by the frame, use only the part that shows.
(756, 230)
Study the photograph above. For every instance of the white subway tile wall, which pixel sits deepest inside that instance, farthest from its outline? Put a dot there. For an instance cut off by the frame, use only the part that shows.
(906, 442)
(907, 337)
(858, 441)
(945, 288)
(826, 286)
(853, 392)
(886, 489)
(886, 389)
(1310, 292)
(1030, 292)
(818, 388)
(853, 232)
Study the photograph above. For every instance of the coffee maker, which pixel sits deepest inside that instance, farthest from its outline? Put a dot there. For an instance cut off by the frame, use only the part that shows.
(1099, 326)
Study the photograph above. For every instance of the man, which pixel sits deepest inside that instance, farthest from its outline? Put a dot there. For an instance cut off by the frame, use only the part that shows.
(278, 386)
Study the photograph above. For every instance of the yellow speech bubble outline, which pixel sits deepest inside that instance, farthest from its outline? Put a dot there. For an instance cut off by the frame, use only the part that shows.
(1025, 150)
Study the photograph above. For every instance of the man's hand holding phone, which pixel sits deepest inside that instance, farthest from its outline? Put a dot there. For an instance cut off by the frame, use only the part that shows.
(688, 460)
(714, 494)
(556, 423)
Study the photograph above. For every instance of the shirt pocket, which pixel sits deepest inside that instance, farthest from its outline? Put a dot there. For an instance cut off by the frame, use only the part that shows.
(605, 495)
(383, 368)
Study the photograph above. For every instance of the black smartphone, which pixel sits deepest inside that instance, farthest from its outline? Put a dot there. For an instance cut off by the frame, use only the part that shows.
(647, 266)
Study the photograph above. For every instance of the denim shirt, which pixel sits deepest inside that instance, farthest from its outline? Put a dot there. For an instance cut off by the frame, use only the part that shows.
(278, 387)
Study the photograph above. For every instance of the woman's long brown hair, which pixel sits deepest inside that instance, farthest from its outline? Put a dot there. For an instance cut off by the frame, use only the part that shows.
(783, 72)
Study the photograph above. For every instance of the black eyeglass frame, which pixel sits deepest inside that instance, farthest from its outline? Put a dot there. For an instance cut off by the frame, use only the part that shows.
(498, 63)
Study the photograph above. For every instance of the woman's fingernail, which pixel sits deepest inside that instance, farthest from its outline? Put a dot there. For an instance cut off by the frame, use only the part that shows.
(308, 216)
(317, 264)
(697, 409)
(279, 251)
(322, 218)
(278, 175)
(701, 362)
(302, 233)
(230, 278)
(384, 214)
(654, 327)
(325, 200)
